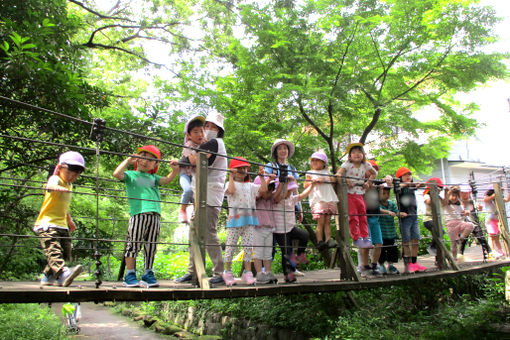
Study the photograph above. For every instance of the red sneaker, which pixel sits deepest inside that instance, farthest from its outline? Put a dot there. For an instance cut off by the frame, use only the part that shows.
(411, 268)
(419, 267)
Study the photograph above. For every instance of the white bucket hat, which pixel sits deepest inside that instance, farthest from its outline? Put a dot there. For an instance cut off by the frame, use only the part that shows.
(283, 141)
(216, 118)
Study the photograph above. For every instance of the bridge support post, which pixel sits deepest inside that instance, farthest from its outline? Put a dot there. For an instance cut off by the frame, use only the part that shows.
(503, 220)
(443, 253)
(198, 224)
(343, 237)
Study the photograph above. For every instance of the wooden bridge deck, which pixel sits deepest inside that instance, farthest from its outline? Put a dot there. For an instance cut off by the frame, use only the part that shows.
(312, 282)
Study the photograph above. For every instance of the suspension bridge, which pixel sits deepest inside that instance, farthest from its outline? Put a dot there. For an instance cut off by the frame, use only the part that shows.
(342, 275)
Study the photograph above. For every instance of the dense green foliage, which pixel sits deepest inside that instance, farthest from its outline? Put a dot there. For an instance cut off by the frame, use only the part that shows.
(30, 321)
(460, 308)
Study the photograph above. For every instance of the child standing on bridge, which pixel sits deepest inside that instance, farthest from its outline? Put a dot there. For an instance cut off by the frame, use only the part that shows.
(409, 228)
(54, 221)
(142, 186)
(389, 252)
(359, 173)
(242, 217)
(492, 222)
(323, 199)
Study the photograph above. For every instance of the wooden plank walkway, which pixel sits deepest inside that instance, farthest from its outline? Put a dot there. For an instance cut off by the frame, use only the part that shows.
(313, 282)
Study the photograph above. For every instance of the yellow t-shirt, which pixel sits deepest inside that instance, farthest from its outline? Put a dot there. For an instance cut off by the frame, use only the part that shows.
(55, 206)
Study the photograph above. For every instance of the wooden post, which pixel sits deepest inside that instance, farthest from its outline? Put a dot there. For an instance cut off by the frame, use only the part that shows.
(503, 221)
(443, 253)
(343, 237)
(198, 224)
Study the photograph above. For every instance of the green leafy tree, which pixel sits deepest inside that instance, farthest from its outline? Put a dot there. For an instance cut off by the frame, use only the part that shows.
(326, 73)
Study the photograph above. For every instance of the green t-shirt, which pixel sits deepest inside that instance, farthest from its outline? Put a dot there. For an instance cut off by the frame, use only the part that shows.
(387, 222)
(143, 192)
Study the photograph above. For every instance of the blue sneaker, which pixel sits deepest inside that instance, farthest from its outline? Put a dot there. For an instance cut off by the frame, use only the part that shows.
(382, 269)
(130, 280)
(393, 270)
(148, 280)
(47, 280)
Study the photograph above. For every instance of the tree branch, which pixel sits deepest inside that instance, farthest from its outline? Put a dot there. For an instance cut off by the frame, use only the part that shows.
(101, 16)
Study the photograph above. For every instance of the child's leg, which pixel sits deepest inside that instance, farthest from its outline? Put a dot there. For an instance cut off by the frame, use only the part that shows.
(135, 238)
(187, 195)
(497, 244)
(187, 192)
(454, 248)
(353, 217)
(302, 237)
(374, 229)
(151, 237)
(327, 226)
(258, 248)
(364, 256)
(319, 232)
(50, 243)
(247, 240)
(233, 235)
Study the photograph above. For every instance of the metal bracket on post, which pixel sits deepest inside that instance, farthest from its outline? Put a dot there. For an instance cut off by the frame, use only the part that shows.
(199, 224)
(96, 134)
(443, 253)
(503, 220)
(343, 237)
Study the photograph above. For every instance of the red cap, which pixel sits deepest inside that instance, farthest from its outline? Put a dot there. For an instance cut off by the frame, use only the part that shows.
(430, 180)
(402, 171)
(153, 151)
(238, 162)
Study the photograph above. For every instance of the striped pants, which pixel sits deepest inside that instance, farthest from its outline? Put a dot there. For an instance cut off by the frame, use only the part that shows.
(143, 229)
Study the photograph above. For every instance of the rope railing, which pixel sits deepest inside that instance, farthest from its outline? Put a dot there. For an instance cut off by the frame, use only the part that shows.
(99, 191)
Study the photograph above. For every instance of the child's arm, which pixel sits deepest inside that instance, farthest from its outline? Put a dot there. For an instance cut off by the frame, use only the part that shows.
(308, 181)
(70, 223)
(231, 189)
(119, 172)
(278, 194)
(487, 199)
(52, 185)
(388, 212)
(305, 193)
(341, 173)
(174, 164)
(507, 198)
(263, 183)
(371, 173)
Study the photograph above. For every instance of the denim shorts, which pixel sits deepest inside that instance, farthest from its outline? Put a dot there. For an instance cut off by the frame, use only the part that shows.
(409, 229)
(374, 229)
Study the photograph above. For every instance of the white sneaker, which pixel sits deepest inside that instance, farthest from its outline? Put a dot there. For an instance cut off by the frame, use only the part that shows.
(68, 275)
(298, 273)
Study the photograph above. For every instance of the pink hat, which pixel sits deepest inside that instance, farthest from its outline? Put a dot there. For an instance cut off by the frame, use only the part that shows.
(320, 155)
(70, 158)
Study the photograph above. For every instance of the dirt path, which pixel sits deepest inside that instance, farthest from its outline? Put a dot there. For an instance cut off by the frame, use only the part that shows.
(98, 322)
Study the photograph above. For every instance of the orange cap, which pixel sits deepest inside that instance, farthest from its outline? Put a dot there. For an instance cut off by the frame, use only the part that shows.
(402, 171)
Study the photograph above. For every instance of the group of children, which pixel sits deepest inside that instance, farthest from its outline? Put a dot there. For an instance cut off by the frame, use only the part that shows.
(261, 212)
